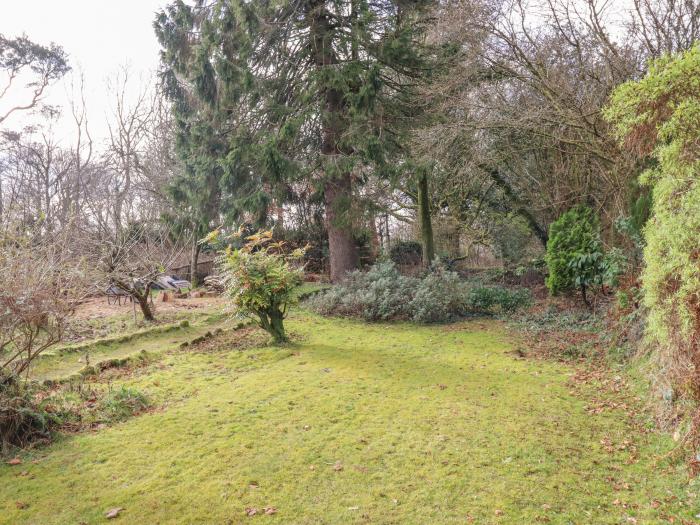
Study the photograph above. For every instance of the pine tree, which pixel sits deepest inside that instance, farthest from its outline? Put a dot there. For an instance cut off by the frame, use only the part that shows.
(297, 89)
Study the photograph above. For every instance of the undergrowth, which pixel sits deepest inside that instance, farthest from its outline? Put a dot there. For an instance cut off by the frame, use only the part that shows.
(24, 421)
(439, 295)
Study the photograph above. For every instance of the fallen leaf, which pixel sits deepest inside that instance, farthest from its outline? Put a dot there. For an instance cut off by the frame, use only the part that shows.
(498, 512)
(338, 466)
(15, 461)
(251, 511)
(270, 510)
(113, 513)
(21, 505)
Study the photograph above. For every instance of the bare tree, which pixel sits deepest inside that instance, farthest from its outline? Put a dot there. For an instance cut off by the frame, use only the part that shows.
(35, 176)
(38, 66)
(134, 259)
(42, 280)
(665, 26)
(522, 129)
(128, 134)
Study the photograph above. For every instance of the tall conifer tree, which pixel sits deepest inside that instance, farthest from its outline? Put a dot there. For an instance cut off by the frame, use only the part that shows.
(312, 89)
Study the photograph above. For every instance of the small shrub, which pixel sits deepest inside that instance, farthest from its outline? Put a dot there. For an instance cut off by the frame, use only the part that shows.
(497, 299)
(440, 296)
(260, 281)
(406, 252)
(121, 404)
(573, 248)
(382, 293)
(379, 294)
(41, 282)
(23, 421)
(575, 256)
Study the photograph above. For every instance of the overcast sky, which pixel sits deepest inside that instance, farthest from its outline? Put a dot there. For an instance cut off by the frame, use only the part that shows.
(99, 37)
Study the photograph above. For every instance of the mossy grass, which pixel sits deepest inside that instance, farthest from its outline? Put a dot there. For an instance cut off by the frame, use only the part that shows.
(123, 338)
(61, 366)
(357, 423)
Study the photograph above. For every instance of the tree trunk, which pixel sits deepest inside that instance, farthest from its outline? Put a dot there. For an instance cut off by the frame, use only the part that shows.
(343, 252)
(426, 225)
(194, 260)
(273, 323)
(146, 310)
(338, 183)
(374, 241)
(277, 328)
(278, 229)
(585, 297)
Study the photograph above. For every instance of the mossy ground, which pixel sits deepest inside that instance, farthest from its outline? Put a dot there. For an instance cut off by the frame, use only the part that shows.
(64, 362)
(356, 423)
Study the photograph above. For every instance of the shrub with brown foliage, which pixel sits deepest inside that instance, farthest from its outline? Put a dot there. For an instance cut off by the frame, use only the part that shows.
(41, 282)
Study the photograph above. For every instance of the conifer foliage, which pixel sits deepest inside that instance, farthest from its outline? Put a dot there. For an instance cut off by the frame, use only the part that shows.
(659, 116)
(279, 91)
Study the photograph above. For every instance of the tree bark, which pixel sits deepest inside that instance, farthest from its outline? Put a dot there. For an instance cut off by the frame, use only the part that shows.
(145, 307)
(273, 323)
(194, 262)
(426, 225)
(375, 245)
(341, 244)
(338, 183)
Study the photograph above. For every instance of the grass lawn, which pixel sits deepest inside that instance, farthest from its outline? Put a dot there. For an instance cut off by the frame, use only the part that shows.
(64, 362)
(357, 423)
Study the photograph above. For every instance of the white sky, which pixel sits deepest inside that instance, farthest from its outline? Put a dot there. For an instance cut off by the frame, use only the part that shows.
(99, 36)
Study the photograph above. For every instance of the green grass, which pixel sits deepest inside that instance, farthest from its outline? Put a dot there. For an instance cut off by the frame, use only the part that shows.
(65, 362)
(357, 423)
(121, 320)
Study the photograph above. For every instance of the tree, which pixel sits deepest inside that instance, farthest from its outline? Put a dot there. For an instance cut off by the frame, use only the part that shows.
(426, 226)
(260, 281)
(196, 189)
(133, 259)
(37, 65)
(36, 178)
(303, 90)
(42, 281)
(517, 119)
